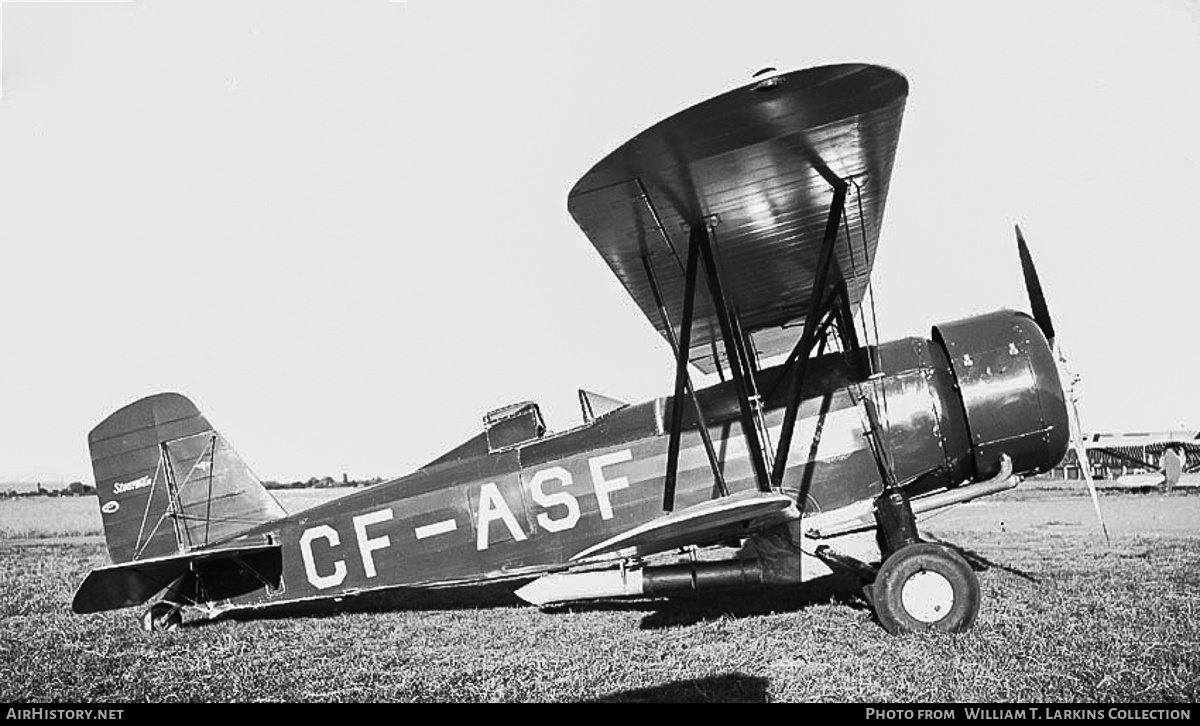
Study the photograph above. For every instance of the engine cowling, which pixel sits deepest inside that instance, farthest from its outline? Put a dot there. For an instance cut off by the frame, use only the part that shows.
(1008, 383)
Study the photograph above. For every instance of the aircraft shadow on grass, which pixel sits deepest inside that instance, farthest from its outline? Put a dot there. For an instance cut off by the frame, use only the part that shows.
(978, 562)
(842, 588)
(466, 597)
(727, 688)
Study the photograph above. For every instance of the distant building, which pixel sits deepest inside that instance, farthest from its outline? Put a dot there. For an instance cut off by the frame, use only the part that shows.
(78, 489)
(1116, 455)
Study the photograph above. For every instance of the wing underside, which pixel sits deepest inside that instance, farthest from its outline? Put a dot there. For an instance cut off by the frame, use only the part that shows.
(699, 524)
(760, 162)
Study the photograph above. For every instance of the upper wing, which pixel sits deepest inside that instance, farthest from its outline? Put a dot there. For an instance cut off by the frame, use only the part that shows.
(1141, 440)
(761, 159)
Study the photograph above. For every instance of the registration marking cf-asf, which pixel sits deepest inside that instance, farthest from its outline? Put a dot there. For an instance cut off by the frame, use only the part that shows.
(547, 487)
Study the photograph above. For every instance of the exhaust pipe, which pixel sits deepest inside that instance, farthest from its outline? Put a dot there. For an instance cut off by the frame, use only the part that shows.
(655, 581)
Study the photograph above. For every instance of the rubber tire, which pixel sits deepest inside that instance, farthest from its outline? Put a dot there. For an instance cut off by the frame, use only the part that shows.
(161, 617)
(912, 560)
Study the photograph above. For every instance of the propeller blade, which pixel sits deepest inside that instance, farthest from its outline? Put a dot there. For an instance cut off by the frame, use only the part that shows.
(1037, 300)
(1041, 315)
(1085, 466)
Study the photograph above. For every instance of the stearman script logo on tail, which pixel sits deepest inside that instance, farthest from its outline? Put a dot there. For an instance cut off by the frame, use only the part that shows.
(122, 487)
(110, 507)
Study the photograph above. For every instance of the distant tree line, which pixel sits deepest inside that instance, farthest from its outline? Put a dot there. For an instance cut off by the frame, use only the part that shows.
(324, 482)
(74, 489)
(79, 489)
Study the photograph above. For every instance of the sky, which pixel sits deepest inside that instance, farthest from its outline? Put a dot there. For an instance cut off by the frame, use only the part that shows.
(341, 228)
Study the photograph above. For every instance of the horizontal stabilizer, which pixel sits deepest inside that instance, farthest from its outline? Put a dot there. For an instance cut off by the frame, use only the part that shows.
(698, 524)
(133, 583)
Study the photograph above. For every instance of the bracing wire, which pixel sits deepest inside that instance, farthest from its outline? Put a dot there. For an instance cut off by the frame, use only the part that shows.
(871, 333)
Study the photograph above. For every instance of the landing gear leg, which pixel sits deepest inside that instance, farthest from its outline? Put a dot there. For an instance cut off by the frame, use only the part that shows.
(920, 586)
(897, 524)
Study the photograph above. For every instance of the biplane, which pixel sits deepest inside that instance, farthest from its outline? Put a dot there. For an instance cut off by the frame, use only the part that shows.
(745, 229)
(1168, 454)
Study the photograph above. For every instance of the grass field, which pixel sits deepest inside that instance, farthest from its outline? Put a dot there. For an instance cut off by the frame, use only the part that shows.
(1066, 618)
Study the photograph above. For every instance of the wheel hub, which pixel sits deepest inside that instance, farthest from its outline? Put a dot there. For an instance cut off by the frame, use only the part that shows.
(927, 596)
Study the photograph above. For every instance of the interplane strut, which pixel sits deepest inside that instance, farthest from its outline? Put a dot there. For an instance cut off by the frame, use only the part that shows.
(700, 248)
(808, 338)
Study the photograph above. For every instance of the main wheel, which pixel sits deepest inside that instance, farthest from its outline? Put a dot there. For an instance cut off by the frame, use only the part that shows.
(926, 587)
(161, 616)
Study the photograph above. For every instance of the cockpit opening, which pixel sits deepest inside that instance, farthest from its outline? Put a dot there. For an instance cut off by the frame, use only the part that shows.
(514, 424)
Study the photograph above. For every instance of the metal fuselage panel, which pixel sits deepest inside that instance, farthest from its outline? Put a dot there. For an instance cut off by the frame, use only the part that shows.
(530, 509)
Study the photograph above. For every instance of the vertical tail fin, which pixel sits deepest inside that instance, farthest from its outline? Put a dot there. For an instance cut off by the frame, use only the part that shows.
(169, 483)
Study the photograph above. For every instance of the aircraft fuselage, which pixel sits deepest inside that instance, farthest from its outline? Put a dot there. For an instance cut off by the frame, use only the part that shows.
(984, 386)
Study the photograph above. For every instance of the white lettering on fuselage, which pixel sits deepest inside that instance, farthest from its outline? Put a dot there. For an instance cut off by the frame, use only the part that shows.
(492, 507)
(429, 530)
(310, 566)
(368, 545)
(129, 486)
(603, 486)
(561, 512)
(557, 499)
(838, 433)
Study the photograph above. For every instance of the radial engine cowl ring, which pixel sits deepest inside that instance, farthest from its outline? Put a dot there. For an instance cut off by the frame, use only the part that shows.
(1010, 389)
